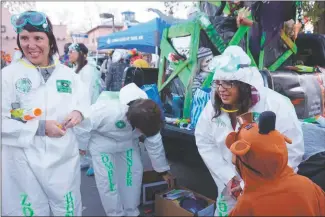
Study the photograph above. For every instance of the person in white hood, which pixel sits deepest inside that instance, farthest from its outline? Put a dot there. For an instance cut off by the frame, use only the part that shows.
(40, 158)
(87, 70)
(238, 88)
(112, 131)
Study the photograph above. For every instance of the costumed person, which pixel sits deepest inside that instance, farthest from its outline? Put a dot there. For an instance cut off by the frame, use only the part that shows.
(116, 71)
(90, 76)
(64, 59)
(260, 155)
(236, 89)
(112, 132)
(140, 63)
(40, 157)
(204, 57)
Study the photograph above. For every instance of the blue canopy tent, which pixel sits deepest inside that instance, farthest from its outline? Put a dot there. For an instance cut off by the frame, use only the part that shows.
(145, 37)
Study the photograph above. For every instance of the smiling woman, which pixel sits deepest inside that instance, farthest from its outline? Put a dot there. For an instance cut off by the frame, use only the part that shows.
(41, 159)
(35, 37)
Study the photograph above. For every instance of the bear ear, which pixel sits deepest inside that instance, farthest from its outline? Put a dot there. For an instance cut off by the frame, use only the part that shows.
(231, 138)
(240, 148)
(288, 140)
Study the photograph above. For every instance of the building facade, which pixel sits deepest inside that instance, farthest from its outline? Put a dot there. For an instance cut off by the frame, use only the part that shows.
(98, 31)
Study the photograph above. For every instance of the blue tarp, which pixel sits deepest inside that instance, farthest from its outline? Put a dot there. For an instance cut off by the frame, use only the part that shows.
(144, 37)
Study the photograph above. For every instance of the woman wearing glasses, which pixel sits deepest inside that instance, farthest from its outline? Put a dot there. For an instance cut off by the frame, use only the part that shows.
(237, 89)
(40, 157)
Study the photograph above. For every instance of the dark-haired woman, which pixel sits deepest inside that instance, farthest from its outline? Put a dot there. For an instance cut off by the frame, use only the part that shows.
(91, 78)
(238, 88)
(88, 72)
(40, 157)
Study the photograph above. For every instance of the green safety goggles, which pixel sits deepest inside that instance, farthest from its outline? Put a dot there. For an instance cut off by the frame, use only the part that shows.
(36, 19)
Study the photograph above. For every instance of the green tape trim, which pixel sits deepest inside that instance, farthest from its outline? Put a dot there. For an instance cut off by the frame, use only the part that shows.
(26, 206)
(129, 162)
(110, 169)
(280, 60)
(212, 33)
(69, 204)
(261, 56)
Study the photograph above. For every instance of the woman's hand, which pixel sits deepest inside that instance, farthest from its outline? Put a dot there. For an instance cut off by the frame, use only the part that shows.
(168, 177)
(235, 187)
(72, 119)
(53, 129)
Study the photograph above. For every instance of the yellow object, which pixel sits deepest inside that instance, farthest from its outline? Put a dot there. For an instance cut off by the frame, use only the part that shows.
(140, 63)
(229, 111)
(26, 115)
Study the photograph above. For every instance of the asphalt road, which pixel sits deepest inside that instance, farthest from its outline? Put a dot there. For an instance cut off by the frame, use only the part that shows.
(188, 172)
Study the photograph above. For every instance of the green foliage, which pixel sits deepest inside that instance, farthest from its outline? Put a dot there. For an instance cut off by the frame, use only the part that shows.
(313, 9)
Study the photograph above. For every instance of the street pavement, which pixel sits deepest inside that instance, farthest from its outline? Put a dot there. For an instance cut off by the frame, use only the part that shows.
(194, 176)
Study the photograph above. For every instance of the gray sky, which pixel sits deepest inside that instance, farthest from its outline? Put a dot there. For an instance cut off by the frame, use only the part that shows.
(75, 14)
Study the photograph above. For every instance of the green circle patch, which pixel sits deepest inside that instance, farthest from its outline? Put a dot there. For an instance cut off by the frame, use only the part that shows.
(23, 85)
(120, 124)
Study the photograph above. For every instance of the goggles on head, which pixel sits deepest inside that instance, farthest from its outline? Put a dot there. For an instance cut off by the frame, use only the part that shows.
(74, 47)
(36, 19)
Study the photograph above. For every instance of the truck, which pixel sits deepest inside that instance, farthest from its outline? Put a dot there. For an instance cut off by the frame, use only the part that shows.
(297, 71)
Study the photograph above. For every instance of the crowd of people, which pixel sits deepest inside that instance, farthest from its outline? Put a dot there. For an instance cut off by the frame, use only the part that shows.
(83, 115)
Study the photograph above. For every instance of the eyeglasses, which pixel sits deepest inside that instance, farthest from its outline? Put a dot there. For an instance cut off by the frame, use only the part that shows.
(37, 19)
(224, 84)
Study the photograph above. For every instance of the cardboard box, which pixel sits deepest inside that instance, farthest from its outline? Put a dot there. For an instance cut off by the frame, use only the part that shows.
(164, 207)
(152, 184)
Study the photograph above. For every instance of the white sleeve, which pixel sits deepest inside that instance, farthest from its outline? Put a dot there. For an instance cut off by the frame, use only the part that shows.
(156, 152)
(81, 102)
(84, 130)
(209, 150)
(13, 132)
(288, 124)
(86, 76)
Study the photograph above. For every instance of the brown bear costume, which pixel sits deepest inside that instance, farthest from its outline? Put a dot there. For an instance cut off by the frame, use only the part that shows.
(271, 187)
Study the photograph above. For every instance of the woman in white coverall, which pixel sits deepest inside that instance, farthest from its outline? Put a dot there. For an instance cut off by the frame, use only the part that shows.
(88, 72)
(91, 78)
(237, 89)
(40, 157)
(112, 132)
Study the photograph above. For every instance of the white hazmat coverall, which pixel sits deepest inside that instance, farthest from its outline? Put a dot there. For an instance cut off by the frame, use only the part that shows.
(39, 173)
(115, 153)
(211, 132)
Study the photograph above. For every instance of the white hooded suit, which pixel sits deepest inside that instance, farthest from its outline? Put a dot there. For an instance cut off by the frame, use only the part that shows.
(113, 145)
(39, 173)
(211, 132)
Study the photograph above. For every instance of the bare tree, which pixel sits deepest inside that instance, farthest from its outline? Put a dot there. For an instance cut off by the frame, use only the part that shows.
(19, 6)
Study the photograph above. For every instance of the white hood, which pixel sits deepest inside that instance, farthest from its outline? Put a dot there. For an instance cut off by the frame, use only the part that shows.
(131, 92)
(234, 64)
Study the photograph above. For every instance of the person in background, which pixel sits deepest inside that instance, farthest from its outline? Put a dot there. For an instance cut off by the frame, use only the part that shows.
(105, 65)
(313, 165)
(89, 75)
(115, 72)
(87, 70)
(65, 57)
(140, 63)
(40, 157)
(112, 135)
(238, 88)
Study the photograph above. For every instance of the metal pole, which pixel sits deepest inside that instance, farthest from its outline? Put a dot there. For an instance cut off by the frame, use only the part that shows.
(113, 24)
